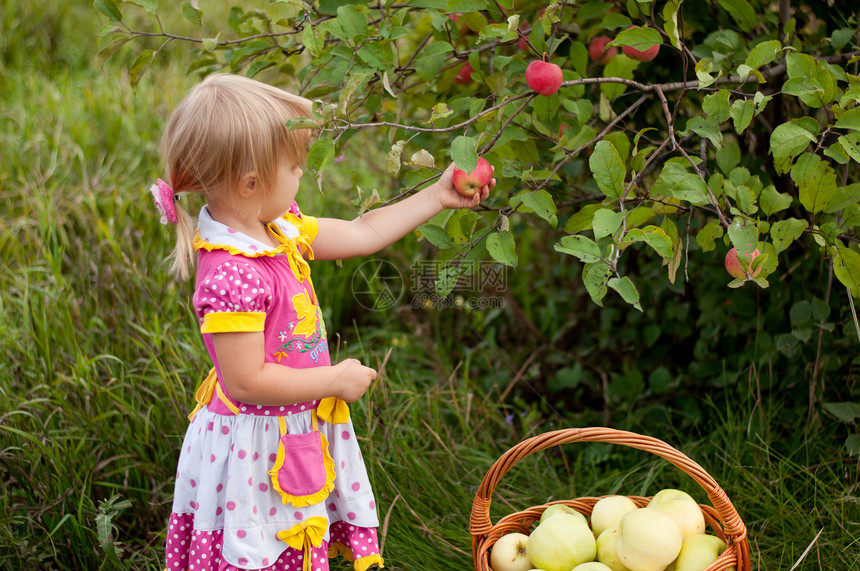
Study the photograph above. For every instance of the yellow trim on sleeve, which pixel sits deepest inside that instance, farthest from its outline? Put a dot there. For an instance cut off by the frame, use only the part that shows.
(233, 322)
(311, 226)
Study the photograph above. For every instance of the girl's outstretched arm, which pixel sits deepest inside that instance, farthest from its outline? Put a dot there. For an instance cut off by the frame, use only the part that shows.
(374, 230)
(250, 379)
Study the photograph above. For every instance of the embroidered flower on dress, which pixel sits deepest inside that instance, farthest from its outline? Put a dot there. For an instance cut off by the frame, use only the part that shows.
(164, 198)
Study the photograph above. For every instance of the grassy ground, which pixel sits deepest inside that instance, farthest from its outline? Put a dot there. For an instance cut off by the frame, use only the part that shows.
(99, 357)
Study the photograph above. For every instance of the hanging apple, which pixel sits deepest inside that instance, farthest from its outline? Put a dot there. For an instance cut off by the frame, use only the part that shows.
(597, 50)
(544, 77)
(464, 76)
(734, 267)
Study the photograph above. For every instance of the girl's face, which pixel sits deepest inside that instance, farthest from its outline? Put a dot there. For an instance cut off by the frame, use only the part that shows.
(278, 200)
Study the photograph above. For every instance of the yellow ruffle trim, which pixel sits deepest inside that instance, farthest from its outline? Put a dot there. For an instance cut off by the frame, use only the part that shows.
(311, 499)
(233, 322)
(360, 564)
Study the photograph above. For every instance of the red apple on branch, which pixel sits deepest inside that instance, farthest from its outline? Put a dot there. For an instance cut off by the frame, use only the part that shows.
(597, 50)
(468, 184)
(464, 76)
(543, 77)
(736, 269)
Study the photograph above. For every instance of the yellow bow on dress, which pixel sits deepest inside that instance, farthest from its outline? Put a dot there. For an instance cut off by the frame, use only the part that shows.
(300, 267)
(204, 392)
(305, 536)
(333, 410)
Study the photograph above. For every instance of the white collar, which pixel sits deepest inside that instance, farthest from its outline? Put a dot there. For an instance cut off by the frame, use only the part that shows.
(220, 235)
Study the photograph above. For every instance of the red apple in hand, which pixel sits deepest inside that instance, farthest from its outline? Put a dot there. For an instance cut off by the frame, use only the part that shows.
(734, 267)
(468, 184)
(543, 77)
(597, 50)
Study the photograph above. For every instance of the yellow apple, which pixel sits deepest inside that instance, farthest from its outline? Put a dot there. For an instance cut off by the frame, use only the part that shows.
(509, 553)
(648, 540)
(606, 552)
(699, 551)
(682, 508)
(609, 510)
(560, 509)
(591, 566)
(561, 542)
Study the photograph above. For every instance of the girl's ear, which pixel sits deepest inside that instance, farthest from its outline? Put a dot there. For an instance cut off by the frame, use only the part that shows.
(248, 185)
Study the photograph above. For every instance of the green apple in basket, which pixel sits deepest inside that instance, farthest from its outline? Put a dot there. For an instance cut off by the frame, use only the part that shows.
(682, 508)
(609, 510)
(509, 553)
(591, 566)
(561, 542)
(648, 540)
(697, 552)
(606, 551)
(560, 509)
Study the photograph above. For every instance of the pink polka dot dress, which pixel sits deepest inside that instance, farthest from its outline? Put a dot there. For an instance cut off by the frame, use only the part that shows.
(279, 488)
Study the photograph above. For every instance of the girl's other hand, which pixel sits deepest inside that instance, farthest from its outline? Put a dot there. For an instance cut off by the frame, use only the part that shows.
(450, 198)
(352, 379)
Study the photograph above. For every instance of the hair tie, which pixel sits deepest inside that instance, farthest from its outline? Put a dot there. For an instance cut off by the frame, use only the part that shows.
(164, 198)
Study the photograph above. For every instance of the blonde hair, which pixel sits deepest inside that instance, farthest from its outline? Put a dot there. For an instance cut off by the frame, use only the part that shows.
(227, 126)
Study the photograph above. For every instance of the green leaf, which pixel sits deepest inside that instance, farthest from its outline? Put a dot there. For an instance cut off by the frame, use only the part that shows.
(786, 142)
(580, 247)
(594, 277)
(436, 235)
(109, 9)
(706, 237)
(771, 200)
(430, 60)
(311, 41)
(192, 14)
(502, 248)
(608, 169)
(851, 145)
(352, 21)
(655, 237)
(763, 53)
(464, 153)
(846, 266)
(670, 21)
(850, 120)
(606, 222)
(799, 65)
(140, 65)
(817, 189)
(784, 232)
(393, 159)
(638, 38)
(106, 52)
(743, 235)
(542, 204)
(802, 86)
(716, 105)
(467, 5)
(625, 287)
(321, 154)
(446, 279)
(706, 129)
(440, 111)
(676, 181)
(582, 219)
(742, 12)
(844, 411)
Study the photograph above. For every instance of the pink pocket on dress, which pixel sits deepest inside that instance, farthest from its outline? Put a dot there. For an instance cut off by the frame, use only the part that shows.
(303, 473)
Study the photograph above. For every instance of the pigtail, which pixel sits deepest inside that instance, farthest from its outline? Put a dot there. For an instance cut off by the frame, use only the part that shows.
(182, 259)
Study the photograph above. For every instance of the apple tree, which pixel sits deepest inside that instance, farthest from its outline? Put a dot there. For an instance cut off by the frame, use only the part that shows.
(680, 130)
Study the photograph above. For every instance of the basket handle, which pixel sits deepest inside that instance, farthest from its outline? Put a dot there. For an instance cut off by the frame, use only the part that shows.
(480, 524)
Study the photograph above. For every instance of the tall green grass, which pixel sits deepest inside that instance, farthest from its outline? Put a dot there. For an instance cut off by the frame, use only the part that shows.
(100, 354)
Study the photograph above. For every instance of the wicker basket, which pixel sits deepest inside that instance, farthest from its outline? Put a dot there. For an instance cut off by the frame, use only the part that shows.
(722, 518)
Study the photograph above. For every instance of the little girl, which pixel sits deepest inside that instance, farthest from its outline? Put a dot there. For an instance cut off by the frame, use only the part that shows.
(270, 474)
